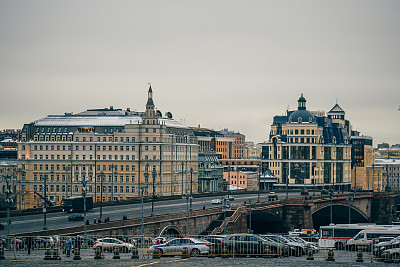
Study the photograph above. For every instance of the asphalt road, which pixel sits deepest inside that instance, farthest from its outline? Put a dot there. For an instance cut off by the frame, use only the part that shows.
(31, 223)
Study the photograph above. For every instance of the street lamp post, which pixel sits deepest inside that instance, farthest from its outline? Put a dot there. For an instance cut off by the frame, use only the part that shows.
(258, 178)
(152, 199)
(84, 182)
(331, 197)
(191, 189)
(45, 201)
(224, 216)
(187, 215)
(349, 200)
(101, 193)
(147, 179)
(142, 228)
(182, 176)
(8, 202)
(250, 231)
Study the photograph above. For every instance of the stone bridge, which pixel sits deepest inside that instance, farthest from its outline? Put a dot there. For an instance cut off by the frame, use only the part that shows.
(272, 216)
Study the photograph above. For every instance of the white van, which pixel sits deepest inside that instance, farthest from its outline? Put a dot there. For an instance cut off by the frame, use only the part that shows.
(364, 238)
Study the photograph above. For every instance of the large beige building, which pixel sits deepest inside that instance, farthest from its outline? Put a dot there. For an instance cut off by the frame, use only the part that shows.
(120, 153)
(305, 150)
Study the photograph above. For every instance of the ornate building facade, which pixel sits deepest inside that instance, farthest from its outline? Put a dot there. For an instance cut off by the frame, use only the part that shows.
(120, 153)
(307, 149)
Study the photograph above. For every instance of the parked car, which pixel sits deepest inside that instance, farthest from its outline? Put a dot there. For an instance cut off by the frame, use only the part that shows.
(393, 254)
(304, 193)
(175, 246)
(217, 243)
(216, 201)
(295, 248)
(324, 192)
(382, 246)
(75, 217)
(272, 196)
(109, 244)
(249, 244)
(159, 240)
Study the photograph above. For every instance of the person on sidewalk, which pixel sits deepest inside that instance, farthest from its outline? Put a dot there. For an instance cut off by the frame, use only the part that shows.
(68, 246)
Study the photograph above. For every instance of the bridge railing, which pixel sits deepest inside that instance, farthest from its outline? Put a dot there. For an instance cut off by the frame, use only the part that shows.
(39, 248)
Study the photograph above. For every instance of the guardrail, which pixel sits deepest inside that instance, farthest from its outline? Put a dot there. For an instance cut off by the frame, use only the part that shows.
(237, 246)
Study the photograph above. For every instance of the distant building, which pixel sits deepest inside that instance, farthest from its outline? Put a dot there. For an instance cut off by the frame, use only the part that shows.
(10, 134)
(252, 151)
(390, 178)
(121, 153)
(210, 172)
(305, 150)
(241, 180)
(238, 144)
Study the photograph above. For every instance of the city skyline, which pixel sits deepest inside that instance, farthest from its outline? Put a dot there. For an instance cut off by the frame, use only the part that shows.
(218, 65)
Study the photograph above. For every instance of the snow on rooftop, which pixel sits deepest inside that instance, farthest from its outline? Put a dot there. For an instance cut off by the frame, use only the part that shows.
(82, 121)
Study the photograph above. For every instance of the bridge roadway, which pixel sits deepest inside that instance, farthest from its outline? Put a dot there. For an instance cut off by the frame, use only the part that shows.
(58, 220)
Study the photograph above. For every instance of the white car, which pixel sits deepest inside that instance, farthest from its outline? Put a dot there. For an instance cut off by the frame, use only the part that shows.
(109, 244)
(230, 198)
(216, 201)
(174, 247)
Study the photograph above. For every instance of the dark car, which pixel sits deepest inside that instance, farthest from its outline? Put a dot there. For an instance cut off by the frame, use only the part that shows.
(272, 196)
(248, 244)
(1, 226)
(217, 243)
(324, 192)
(304, 193)
(75, 217)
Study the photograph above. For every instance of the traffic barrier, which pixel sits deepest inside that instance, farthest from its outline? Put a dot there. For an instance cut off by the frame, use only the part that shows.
(359, 256)
(116, 254)
(135, 253)
(224, 253)
(156, 253)
(185, 253)
(77, 254)
(47, 254)
(330, 255)
(310, 255)
(267, 252)
(56, 254)
(2, 253)
(211, 252)
(98, 255)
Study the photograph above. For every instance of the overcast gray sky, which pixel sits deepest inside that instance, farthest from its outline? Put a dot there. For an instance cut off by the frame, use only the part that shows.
(220, 64)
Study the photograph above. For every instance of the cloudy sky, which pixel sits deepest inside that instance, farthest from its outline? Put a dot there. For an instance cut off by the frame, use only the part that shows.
(218, 64)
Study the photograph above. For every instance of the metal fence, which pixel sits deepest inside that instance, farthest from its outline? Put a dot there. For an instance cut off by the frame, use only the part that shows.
(149, 247)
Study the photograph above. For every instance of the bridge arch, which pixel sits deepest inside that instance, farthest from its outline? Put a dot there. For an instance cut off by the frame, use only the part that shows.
(170, 230)
(340, 214)
(263, 222)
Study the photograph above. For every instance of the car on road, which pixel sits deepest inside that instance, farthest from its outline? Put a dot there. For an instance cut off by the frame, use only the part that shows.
(230, 198)
(75, 217)
(249, 244)
(393, 254)
(159, 240)
(272, 196)
(109, 244)
(382, 246)
(216, 201)
(304, 193)
(217, 243)
(175, 246)
(1, 226)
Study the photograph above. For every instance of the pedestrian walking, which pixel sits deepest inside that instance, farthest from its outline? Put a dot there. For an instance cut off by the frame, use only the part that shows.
(94, 221)
(68, 246)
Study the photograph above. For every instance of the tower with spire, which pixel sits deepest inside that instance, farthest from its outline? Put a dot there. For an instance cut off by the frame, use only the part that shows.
(150, 107)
